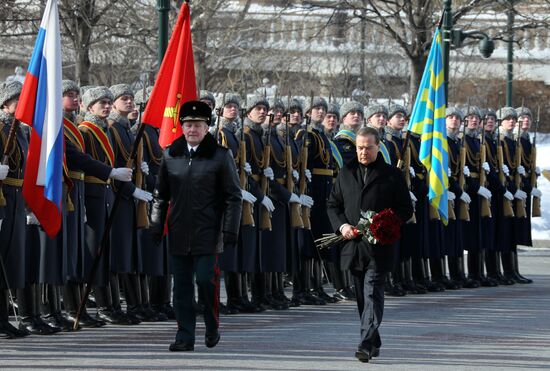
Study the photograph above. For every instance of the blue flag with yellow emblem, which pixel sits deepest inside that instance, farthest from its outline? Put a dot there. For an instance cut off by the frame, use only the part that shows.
(428, 121)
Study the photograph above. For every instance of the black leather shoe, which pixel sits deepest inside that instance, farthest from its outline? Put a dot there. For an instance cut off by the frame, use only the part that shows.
(350, 293)
(310, 299)
(258, 306)
(363, 355)
(246, 306)
(433, 286)
(35, 325)
(324, 296)
(470, 283)
(12, 332)
(340, 295)
(226, 309)
(165, 309)
(182, 346)
(397, 290)
(86, 320)
(375, 352)
(502, 280)
(212, 340)
(485, 282)
(58, 320)
(113, 317)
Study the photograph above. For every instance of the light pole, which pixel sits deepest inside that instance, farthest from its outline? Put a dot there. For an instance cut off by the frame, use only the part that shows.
(454, 37)
(510, 58)
(163, 7)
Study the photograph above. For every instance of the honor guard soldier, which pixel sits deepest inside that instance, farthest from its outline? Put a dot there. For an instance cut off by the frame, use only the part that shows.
(79, 163)
(234, 254)
(261, 177)
(401, 277)
(208, 98)
(198, 179)
(523, 225)
(352, 119)
(491, 226)
(512, 168)
(476, 191)
(331, 120)
(12, 216)
(320, 163)
(126, 257)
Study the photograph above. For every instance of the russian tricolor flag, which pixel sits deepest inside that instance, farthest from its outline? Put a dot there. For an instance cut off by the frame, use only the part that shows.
(40, 106)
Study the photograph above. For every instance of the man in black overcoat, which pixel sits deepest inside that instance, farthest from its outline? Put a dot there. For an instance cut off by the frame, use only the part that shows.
(198, 179)
(367, 183)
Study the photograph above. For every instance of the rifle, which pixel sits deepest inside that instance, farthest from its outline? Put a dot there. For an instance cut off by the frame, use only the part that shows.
(404, 163)
(265, 215)
(536, 200)
(295, 208)
(507, 208)
(142, 216)
(219, 113)
(485, 206)
(463, 207)
(520, 204)
(303, 167)
(248, 211)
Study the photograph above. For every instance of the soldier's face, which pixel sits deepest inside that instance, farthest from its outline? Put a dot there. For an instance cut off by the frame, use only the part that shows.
(452, 122)
(473, 121)
(525, 122)
(490, 123)
(397, 121)
(367, 149)
(195, 131)
(230, 111)
(209, 102)
(124, 104)
(70, 101)
(258, 114)
(318, 114)
(10, 106)
(101, 108)
(277, 116)
(353, 119)
(508, 123)
(295, 117)
(330, 121)
(378, 120)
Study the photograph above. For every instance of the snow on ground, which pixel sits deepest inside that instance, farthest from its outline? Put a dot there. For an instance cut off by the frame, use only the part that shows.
(540, 227)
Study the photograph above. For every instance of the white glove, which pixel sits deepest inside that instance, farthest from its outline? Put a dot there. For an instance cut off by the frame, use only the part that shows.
(521, 170)
(508, 195)
(466, 171)
(412, 172)
(451, 196)
(413, 197)
(140, 194)
(268, 204)
(247, 168)
(295, 175)
(145, 168)
(4, 169)
(122, 174)
(32, 220)
(484, 192)
(464, 197)
(486, 167)
(306, 201)
(248, 197)
(268, 173)
(537, 170)
(536, 192)
(506, 170)
(449, 172)
(307, 173)
(294, 199)
(520, 195)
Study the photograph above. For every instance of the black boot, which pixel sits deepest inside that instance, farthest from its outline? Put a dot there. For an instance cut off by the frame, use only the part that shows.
(485, 281)
(418, 275)
(466, 281)
(28, 300)
(279, 289)
(132, 293)
(474, 266)
(258, 291)
(233, 288)
(105, 309)
(55, 317)
(498, 272)
(318, 283)
(71, 299)
(431, 286)
(454, 271)
(6, 327)
(516, 269)
(508, 265)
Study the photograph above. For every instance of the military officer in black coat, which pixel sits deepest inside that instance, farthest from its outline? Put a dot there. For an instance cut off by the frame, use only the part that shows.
(199, 180)
(367, 183)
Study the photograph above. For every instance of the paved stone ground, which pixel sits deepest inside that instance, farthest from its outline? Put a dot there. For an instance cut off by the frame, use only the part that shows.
(481, 329)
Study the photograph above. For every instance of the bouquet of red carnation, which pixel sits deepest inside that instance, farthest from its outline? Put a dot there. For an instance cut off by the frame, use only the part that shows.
(382, 228)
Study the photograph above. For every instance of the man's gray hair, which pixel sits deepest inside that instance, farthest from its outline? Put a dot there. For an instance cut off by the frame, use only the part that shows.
(366, 131)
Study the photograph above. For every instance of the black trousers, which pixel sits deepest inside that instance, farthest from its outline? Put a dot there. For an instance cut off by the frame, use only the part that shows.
(206, 271)
(369, 289)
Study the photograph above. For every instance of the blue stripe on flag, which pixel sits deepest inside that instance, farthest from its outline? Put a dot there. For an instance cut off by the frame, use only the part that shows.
(54, 172)
(37, 54)
(41, 98)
